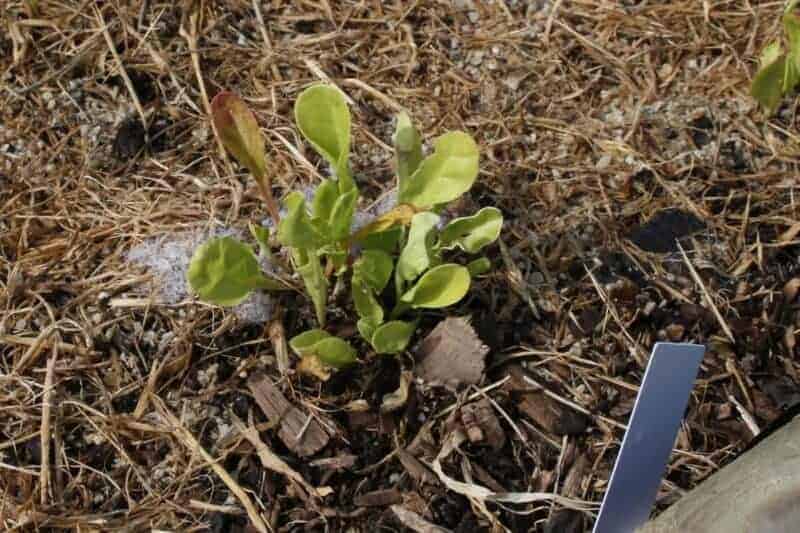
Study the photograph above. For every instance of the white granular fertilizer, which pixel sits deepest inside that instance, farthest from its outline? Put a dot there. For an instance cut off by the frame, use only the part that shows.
(168, 257)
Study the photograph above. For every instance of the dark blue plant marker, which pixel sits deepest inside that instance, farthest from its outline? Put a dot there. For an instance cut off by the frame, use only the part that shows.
(652, 428)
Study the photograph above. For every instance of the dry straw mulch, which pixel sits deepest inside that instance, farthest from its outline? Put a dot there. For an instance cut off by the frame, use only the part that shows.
(607, 129)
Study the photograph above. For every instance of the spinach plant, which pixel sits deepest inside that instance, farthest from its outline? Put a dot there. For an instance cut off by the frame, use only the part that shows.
(779, 70)
(401, 256)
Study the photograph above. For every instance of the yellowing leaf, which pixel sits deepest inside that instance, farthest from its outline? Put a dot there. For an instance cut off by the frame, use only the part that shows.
(444, 175)
(439, 287)
(399, 216)
(310, 365)
(323, 118)
(472, 233)
(239, 133)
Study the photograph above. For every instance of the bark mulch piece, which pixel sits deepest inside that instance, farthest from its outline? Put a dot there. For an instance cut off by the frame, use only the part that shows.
(451, 354)
(300, 432)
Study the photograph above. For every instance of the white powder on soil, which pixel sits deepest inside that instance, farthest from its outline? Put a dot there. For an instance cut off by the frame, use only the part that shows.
(168, 257)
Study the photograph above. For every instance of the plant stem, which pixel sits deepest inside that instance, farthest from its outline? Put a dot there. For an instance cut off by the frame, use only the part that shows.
(399, 309)
(266, 194)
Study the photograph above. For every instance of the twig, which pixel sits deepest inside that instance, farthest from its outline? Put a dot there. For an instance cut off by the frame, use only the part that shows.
(573, 405)
(44, 470)
(265, 37)
(35, 348)
(637, 350)
(190, 442)
(124, 73)
(191, 41)
(748, 419)
(709, 300)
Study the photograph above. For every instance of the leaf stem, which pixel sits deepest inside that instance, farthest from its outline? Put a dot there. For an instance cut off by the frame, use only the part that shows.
(265, 189)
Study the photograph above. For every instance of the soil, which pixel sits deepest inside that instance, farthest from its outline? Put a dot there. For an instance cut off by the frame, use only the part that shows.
(646, 198)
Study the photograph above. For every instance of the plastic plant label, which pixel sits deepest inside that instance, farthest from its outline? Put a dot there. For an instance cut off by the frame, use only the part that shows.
(652, 429)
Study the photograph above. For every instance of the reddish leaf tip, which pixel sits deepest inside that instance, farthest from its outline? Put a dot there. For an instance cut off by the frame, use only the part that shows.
(222, 99)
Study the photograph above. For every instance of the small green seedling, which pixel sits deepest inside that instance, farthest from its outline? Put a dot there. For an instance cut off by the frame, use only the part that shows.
(401, 256)
(779, 71)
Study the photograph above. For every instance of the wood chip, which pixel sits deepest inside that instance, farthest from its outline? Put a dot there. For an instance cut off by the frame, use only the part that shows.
(452, 354)
(482, 425)
(418, 471)
(575, 476)
(271, 461)
(299, 432)
(550, 415)
(413, 521)
(339, 462)
(543, 410)
(379, 498)
(482, 475)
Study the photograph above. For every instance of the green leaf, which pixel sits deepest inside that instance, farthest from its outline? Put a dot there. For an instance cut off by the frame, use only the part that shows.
(366, 328)
(791, 26)
(238, 131)
(331, 350)
(439, 287)
(407, 147)
(767, 87)
(444, 175)
(324, 198)
(341, 216)
(295, 229)
(375, 268)
(261, 235)
(310, 269)
(367, 305)
(393, 337)
(416, 256)
(770, 53)
(223, 271)
(323, 117)
(335, 352)
(472, 233)
(386, 241)
(479, 266)
(303, 343)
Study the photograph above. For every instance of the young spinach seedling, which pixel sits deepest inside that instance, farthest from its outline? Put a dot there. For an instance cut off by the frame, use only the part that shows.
(406, 247)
